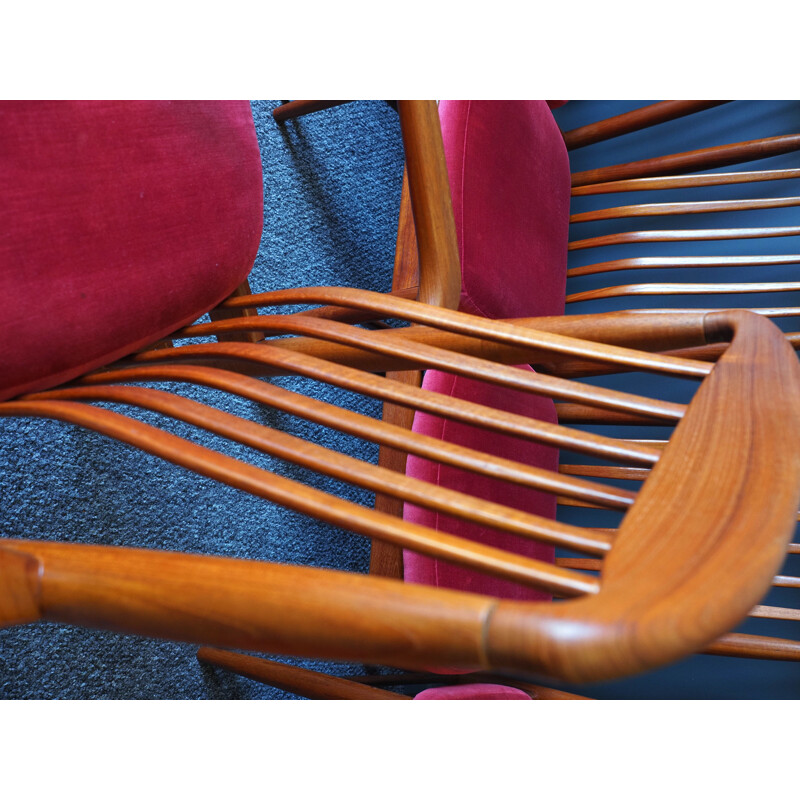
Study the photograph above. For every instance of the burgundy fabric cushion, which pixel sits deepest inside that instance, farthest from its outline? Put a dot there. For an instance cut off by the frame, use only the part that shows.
(510, 183)
(434, 572)
(473, 691)
(121, 221)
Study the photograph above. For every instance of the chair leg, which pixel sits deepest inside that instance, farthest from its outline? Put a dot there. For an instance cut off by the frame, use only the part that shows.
(305, 682)
(386, 559)
(225, 313)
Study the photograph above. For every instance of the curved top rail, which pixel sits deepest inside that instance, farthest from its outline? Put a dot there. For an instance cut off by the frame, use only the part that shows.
(699, 515)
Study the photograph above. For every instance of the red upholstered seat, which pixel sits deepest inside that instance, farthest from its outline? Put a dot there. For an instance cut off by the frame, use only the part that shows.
(510, 182)
(121, 221)
(473, 691)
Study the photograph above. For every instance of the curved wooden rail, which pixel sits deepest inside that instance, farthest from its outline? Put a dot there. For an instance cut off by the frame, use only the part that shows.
(325, 507)
(635, 120)
(696, 517)
(683, 262)
(658, 593)
(395, 392)
(496, 331)
(700, 235)
(693, 207)
(685, 181)
(364, 427)
(658, 289)
(692, 161)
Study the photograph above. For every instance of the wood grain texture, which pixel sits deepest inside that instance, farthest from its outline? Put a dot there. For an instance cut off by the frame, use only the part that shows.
(659, 596)
(698, 235)
(395, 392)
(693, 556)
(743, 645)
(685, 181)
(354, 471)
(434, 224)
(305, 682)
(660, 330)
(326, 507)
(692, 161)
(680, 594)
(426, 356)
(683, 262)
(495, 331)
(669, 289)
(389, 433)
(635, 120)
(692, 207)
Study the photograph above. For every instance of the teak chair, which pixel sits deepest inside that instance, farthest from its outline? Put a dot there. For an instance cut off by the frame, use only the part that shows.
(647, 176)
(696, 550)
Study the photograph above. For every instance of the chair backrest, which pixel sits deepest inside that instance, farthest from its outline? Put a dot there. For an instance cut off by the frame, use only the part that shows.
(673, 213)
(702, 229)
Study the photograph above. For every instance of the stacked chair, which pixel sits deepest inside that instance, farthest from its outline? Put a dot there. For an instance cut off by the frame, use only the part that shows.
(475, 583)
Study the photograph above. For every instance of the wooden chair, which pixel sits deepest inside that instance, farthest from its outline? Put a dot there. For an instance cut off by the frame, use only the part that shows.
(643, 176)
(696, 550)
(697, 519)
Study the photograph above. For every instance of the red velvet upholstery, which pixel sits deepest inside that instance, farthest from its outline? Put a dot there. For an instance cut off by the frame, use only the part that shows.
(510, 182)
(121, 221)
(473, 691)
(433, 572)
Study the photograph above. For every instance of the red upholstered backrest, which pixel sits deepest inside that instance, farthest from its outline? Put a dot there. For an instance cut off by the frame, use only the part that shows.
(510, 183)
(121, 221)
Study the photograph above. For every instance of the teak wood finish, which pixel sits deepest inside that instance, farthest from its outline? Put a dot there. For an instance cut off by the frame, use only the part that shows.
(426, 268)
(664, 173)
(657, 177)
(693, 555)
(697, 516)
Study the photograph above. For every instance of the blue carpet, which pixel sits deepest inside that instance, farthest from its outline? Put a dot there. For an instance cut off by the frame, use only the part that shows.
(331, 198)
